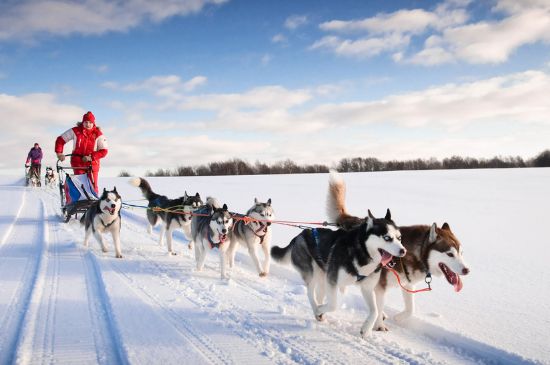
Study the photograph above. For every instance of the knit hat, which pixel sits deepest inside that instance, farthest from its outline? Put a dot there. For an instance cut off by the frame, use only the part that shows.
(88, 117)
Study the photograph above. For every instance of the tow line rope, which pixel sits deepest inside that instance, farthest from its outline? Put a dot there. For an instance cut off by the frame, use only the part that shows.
(179, 209)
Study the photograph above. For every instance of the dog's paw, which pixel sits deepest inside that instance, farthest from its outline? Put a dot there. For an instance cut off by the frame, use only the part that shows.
(382, 328)
(118, 256)
(262, 274)
(173, 253)
(384, 316)
(403, 316)
(190, 246)
(320, 317)
(104, 250)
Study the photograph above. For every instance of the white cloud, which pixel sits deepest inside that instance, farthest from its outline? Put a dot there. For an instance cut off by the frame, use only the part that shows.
(364, 47)
(279, 38)
(295, 21)
(266, 59)
(26, 19)
(449, 36)
(166, 86)
(388, 32)
(100, 69)
(525, 22)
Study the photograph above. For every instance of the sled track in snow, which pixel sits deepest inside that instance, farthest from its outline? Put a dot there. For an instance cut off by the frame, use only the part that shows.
(100, 307)
(294, 346)
(20, 307)
(181, 324)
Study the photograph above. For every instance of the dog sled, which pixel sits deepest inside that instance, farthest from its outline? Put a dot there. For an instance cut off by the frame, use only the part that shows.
(32, 175)
(76, 192)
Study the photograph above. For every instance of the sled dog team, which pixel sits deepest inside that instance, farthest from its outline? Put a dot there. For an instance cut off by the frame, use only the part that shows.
(358, 253)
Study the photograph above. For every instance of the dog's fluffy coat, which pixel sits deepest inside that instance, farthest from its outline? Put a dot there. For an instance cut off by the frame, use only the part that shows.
(328, 260)
(104, 216)
(253, 234)
(180, 217)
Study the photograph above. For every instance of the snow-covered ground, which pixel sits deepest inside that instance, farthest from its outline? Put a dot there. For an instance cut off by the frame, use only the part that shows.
(63, 303)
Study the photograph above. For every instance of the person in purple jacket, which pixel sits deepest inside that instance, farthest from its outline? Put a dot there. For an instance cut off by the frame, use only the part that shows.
(34, 158)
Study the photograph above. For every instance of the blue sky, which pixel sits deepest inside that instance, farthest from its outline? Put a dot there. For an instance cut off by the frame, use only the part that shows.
(190, 82)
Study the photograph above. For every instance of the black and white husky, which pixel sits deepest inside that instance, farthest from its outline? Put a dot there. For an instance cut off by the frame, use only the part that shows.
(328, 260)
(50, 178)
(430, 251)
(104, 216)
(179, 215)
(254, 233)
(209, 230)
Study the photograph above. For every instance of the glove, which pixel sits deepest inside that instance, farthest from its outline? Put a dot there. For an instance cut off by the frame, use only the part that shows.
(61, 157)
(27, 165)
(87, 158)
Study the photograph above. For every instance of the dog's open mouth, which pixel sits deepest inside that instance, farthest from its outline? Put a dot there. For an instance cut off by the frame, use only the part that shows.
(223, 237)
(110, 210)
(451, 277)
(386, 257)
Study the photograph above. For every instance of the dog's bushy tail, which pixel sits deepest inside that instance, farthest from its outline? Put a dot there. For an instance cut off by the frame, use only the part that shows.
(336, 202)
(282, 254)
(144, 186)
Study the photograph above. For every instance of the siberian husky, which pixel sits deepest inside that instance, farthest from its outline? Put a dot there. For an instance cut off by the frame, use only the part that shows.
(328, 260)
(104, 216)
(49, 178)
(180, 217)
(430, 251)
(254, 233)
(209, 230)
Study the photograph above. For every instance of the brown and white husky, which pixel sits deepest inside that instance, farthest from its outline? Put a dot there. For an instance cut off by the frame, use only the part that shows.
(430, 251)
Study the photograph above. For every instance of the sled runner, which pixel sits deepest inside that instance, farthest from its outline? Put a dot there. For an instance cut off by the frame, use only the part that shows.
(76, 192)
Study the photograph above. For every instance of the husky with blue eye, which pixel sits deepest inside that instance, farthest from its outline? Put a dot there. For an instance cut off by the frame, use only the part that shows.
(104, 216)
(254, 233)
(210, 228)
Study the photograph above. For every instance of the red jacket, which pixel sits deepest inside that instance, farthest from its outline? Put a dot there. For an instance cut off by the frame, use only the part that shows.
(85, 142)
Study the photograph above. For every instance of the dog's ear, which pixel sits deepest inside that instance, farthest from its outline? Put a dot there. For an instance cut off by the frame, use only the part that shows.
(197, 195)
(104, 190)
(388, 215)
(224, 207)
(255, 200)
(446, 227)
(433, 233)
(185, 196)
(114, 189)
(269, 202)
(370, 221)
(370, 214)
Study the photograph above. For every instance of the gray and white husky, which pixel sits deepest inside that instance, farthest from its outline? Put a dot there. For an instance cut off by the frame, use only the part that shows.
(328, 260)
(430, 251)
(179, 216)
(104, 216)
(254, 233)
(209, 230)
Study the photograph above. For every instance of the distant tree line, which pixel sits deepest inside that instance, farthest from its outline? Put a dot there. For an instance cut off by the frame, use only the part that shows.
(356, 164)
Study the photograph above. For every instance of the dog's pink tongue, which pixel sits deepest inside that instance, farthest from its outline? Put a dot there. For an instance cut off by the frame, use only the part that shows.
(457, 283)
(386, 257)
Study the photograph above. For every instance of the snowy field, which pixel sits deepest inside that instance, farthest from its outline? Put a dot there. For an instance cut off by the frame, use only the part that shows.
(63, 303)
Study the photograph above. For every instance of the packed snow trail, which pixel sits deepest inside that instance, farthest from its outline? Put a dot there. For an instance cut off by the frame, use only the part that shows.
(63, 303)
